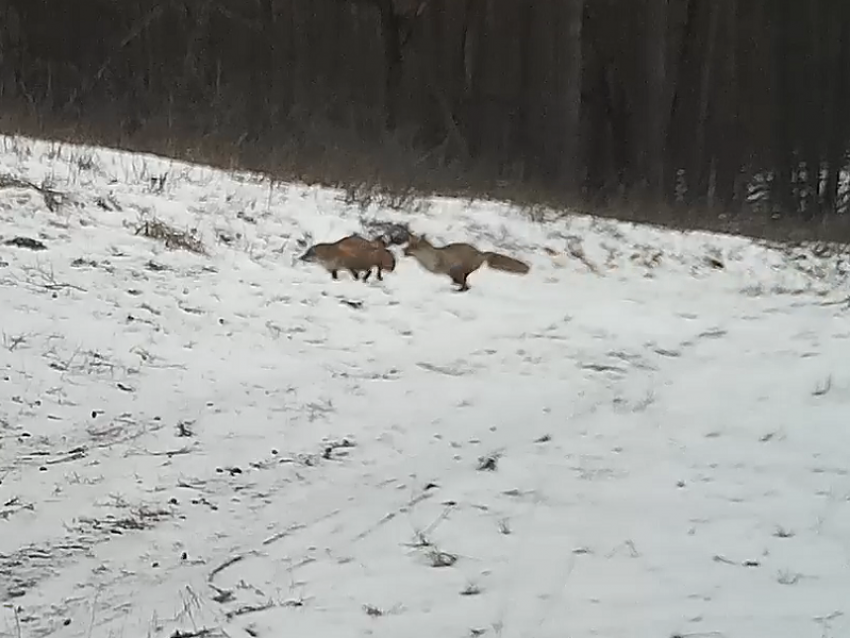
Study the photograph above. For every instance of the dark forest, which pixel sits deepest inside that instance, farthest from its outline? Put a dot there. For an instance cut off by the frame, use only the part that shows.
(735, 110)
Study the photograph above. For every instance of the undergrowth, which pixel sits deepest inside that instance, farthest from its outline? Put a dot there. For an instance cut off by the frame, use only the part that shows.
(393, 174)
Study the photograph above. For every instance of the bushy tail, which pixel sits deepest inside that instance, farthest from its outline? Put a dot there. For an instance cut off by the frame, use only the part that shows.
(499, 261)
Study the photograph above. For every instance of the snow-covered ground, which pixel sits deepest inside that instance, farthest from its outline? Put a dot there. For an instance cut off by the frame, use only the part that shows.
(647, 436)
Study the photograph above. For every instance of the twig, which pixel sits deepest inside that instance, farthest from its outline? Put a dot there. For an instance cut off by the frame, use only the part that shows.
(823, 388)
(134, 32)
(443, 516)
(16, 614)
(52, 198)
(74, 455)
(838, 302)
(50, 283)
(228, 563)
(11, 343)
(198, 633)
(283, 534)
(575, 249)
(93, 611)
(170, 453)
(249, 609)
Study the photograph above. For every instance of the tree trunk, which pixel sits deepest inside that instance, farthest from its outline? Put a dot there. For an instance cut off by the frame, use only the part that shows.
(571, 177)
(702, 162)
(391, 39)
(782, 106)
(838, 107)
(729, 146)
(654, 99)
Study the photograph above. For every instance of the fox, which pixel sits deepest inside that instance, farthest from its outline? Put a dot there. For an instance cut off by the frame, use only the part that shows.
(353, 253)
(459, 260)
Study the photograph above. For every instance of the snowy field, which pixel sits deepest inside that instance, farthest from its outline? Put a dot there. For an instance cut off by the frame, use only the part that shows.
(647, 436)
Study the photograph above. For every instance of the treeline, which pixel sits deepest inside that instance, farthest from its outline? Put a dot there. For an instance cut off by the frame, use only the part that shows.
(719, 104)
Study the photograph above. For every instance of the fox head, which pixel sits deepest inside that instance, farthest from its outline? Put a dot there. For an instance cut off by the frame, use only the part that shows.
(415, 243)
(309, 256)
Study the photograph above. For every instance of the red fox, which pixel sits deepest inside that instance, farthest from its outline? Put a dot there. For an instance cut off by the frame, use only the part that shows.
(353, 253)
(458, 261)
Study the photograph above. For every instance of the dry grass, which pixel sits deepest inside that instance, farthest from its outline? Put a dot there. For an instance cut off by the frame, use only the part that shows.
(170, 236)
(52, 198)
(389, 173)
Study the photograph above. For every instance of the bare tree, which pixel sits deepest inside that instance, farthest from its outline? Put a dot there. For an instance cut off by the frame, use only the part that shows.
(666, 99)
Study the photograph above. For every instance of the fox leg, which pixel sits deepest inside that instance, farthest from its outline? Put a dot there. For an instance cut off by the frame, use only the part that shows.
(459, 275)
(379, 274)
(355, 274)
(369, 274)
(334, 274)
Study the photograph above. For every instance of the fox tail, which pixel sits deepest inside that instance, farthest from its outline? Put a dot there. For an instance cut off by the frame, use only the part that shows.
(499, 261)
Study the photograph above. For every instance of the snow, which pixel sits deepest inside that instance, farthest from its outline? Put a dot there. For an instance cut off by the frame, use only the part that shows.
(233, 444)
